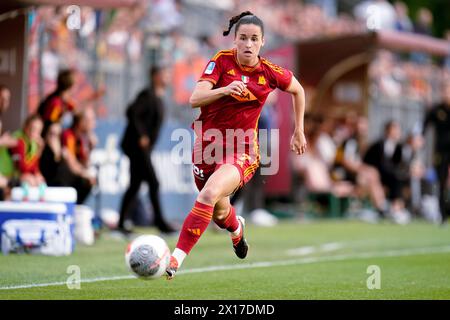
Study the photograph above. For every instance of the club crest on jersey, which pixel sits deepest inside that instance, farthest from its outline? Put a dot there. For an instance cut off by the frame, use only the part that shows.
(261, 80)
(210, 67)
(245, 79)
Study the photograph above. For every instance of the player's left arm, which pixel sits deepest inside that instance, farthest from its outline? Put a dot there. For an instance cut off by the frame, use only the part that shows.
(298, 141)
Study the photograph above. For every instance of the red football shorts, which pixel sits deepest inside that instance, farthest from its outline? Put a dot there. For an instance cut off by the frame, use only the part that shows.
(246, 161)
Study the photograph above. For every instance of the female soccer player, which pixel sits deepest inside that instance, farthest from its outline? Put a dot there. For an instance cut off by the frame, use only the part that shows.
(231, 93)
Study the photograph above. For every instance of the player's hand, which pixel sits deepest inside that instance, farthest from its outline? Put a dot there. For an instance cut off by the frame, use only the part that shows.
(298, 142)
(236, 87)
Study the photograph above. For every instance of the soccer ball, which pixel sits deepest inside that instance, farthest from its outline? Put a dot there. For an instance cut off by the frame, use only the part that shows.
(147, 257)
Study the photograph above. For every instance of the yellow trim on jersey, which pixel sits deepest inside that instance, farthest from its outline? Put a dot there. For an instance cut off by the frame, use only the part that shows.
(272, 66)
(255, 141)
(250, 169)
(208, 79)
(222, 52)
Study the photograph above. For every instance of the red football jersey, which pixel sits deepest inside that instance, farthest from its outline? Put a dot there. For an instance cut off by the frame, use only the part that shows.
(240, 112)
(55, 107)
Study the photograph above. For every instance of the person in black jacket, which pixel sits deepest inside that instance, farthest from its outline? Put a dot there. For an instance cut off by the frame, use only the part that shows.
(385, 156)
(145, 116)
(439, 118)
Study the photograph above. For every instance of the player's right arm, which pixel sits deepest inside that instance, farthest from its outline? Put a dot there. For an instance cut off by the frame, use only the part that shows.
(207, 91)
(204, 93)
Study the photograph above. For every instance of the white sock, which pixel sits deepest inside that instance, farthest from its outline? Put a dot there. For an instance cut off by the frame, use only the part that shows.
(236, 232)
(179, 255)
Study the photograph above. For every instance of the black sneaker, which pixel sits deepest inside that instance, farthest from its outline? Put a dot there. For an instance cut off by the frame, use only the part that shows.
(241, 248)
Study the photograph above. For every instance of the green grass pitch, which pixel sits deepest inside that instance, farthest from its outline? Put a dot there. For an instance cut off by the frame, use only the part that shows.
(292, 261)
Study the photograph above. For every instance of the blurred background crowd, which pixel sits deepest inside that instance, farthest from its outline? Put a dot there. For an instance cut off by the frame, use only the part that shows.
(373, 162)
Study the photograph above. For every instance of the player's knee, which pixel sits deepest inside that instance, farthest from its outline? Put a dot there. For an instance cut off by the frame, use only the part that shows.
(209, 195)
(220, 214)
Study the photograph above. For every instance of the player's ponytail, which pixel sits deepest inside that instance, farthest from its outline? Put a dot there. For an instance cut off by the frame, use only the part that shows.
(250, 18)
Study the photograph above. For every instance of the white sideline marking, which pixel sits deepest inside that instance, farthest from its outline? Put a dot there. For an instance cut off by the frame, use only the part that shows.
(262, 264)
(331, 246)
(304, 251)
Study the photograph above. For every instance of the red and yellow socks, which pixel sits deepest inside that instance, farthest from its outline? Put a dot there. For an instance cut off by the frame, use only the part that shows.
(194, 225)
(231, 223)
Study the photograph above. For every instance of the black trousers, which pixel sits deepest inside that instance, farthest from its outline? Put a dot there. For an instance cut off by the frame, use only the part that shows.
(83, 187)
(141, 169)
(393, 184)
(442, 164)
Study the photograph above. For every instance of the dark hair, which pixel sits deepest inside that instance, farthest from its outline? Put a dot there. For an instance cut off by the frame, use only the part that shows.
(31, 118)
(78, 116)
(46, 128)
(155, 69)
(245, 17)
(388, 125)
(65, 80)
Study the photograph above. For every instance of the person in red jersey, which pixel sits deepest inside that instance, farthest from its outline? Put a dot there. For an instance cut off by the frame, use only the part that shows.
(231, 93)
(78, 142)
(28, 150)
(57, 107)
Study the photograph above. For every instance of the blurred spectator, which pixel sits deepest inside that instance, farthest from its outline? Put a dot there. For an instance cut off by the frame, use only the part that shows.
(325, 143)
(78, 142)
(387, 77)
(6, 142)
(447, 59)
(314, 171)
(439, 118)
(385, 155)
(294, 20)
(404, 81)
(376, 14)
(5, 99)
(52, 163)
(403, 22)
(349, 166)
(423, 26)
(412, 169)
(344, 127)
(329, 7)
(424, 22)
(164, 15)
(145, 116)
(56, 107)
(28, 150)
